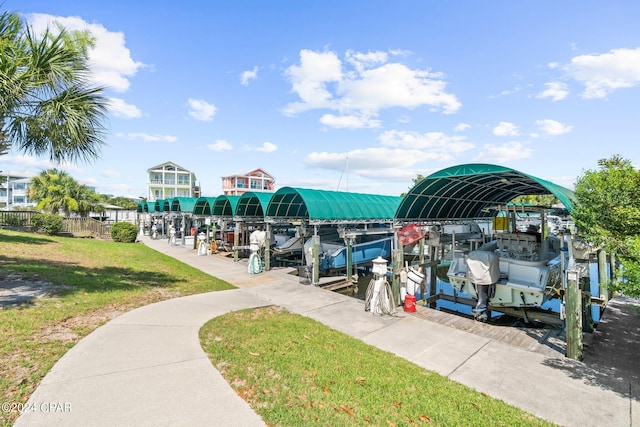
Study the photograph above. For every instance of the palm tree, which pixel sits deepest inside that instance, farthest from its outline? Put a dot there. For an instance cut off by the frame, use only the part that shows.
(56, 191)
(47, 105)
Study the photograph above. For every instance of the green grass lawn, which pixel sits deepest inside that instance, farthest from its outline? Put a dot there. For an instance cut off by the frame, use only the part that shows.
(295, 371)
(93, 281)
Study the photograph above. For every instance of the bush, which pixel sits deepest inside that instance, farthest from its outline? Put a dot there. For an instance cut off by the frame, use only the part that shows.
(13, 220)
(124, 232)
(50, 224)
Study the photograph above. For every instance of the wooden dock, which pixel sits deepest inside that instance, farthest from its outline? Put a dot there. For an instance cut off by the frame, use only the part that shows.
(549, 341)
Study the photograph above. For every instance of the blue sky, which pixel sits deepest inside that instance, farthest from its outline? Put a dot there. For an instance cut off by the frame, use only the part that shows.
(354, 95)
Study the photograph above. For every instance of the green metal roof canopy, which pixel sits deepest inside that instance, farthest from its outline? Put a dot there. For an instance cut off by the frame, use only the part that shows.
(320, 205)
(253, 205)
(468, 191)
(204, 206)
(225, 206)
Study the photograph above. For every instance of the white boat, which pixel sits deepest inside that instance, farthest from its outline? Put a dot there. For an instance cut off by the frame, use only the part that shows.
(530, 270)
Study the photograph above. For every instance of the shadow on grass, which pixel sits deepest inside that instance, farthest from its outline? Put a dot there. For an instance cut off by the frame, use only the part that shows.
(23, 280)
(24, 238)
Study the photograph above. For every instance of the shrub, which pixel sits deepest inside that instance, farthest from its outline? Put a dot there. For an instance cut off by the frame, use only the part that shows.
(50, 224)
(13, 220)
(124, 232)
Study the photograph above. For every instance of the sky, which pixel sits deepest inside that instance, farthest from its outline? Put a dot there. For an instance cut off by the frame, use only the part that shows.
(358, 95)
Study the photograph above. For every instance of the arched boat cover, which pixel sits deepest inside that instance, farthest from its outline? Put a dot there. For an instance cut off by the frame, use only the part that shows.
(320, 205)
(204, 206)
(470, 191)
(253, 204)
(225, 206)
(183, 204)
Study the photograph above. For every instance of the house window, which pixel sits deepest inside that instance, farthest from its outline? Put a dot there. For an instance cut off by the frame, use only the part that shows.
(255, 184)
(183, 179)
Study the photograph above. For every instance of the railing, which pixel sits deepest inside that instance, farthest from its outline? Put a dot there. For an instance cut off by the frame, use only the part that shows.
(87, 227)
(16, 218)
(78, 227)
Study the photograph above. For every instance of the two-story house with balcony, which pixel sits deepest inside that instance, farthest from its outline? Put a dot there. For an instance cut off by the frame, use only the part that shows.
(169, 180)
(256, 180)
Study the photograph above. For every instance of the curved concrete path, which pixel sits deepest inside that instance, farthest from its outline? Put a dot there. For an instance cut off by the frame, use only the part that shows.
(146, 367)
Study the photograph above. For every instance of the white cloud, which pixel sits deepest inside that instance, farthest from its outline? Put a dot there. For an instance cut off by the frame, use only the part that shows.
(220, 145)
(27, 162)
(557, 91)
(394, 164)
(110, 174)
(603, 73)
(109, 60)
(310, 78)
(201, 110)
(368, 158)
(247, 76)
(502, 153)
(461, 127)
(363, 85)
(267, 147)
(440, 145)
(120, 108)
(506, 129)
(151, 138)
(349, 121)
(552, 127)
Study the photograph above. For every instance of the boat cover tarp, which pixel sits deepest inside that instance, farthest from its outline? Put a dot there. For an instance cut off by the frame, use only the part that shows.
(158, 206)
(469, 191)
(183, 204)
(225, 206)
(318, 205)
(253, 204)
(204, 206)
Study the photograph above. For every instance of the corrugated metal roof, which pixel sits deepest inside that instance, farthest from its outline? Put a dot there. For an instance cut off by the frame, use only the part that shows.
(320, 205)
(469, 191)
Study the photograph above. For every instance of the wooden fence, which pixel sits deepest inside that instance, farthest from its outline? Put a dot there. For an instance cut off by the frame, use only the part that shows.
(84, 227)
(77, 227)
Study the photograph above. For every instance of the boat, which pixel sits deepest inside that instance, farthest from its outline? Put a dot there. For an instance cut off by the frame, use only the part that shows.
(530, 270)
(332, 253)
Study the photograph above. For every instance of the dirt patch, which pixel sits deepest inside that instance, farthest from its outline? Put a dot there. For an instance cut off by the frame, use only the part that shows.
(16, 290)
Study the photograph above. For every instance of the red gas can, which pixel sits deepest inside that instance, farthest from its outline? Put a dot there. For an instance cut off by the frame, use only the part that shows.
(410, 303)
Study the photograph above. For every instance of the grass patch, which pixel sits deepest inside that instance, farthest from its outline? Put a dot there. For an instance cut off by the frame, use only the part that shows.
(90, 282)
(295, 371)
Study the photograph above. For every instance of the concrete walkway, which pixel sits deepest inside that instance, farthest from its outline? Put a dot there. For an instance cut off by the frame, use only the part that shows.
(146, 367)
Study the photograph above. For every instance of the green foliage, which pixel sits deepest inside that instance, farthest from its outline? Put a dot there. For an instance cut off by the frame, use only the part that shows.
(416, 180)
(48, 107)
(607, 214)
(123, 202)
(56, 190)
(50, 224)
(537, 200)
(124, 232)
(14, 220)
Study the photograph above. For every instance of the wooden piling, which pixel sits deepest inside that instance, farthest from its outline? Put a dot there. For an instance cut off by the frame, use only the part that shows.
(603, 277)
(267, 248)
(573, 313)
